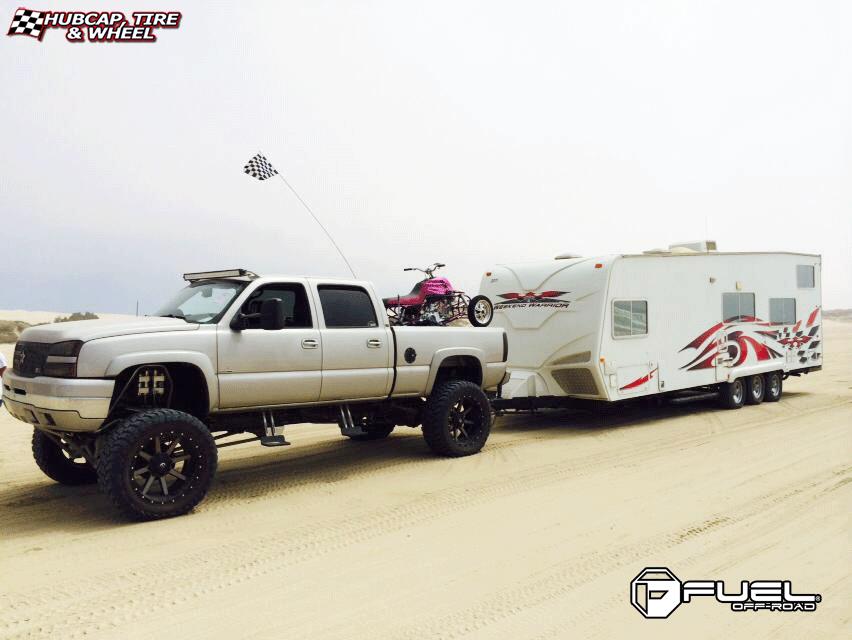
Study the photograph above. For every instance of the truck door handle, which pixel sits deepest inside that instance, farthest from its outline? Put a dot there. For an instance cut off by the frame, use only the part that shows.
(374, 343)
(309, 343)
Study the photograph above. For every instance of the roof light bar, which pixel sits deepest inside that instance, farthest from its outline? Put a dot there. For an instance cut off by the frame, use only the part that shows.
(225, 273)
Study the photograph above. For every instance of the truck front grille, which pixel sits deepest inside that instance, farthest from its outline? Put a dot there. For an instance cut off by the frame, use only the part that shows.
(29, 358)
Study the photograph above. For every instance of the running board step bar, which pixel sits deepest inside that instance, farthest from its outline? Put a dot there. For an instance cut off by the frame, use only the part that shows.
(347, 424)
(273, 436)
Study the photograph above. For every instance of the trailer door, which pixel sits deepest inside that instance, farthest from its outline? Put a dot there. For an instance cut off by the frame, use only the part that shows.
(630, 329)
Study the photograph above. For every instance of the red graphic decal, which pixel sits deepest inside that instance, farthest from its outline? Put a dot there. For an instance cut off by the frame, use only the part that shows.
(532, 296)
(812, 317)
(736, 340)
(700, 339)
(639, 381)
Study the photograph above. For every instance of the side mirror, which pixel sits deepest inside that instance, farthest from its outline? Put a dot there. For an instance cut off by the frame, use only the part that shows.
(272, 314)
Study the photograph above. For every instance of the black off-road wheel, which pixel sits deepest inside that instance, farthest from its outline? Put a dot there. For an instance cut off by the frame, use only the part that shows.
(773, 386)
(457, 419)
(755, 390)
(157, 464)
(480, 311)
(732, 394)
(60, 461)
(374, 431)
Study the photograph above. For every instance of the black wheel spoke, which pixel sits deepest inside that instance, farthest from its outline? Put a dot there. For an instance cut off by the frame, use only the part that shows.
(147, 486)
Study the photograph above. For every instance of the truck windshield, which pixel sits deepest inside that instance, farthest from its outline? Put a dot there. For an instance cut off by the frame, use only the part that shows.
(203, 302)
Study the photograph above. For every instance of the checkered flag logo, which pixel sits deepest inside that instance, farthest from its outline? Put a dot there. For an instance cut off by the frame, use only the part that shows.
(27, 23)
(259, 167)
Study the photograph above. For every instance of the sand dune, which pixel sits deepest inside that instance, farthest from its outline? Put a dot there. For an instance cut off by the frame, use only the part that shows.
(536, 537)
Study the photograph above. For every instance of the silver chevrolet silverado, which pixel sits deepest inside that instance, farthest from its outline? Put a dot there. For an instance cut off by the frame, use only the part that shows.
(140, 406)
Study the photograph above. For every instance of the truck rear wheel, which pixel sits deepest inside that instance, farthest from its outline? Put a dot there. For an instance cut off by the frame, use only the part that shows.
(157, 464)
(457, 419)
(374, 431)
(732, 394)
(58, 461)
(773, 386)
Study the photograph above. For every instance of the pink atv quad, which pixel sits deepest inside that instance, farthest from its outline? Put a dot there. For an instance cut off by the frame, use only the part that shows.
(432, 301)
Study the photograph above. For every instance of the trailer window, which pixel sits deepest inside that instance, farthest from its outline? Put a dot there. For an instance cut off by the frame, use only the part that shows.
(346, 307)
(804, 276)
(629, 318)
(782, 310)
(738, 307)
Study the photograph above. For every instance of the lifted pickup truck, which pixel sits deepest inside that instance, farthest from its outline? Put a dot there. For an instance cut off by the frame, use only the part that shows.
(140, 406)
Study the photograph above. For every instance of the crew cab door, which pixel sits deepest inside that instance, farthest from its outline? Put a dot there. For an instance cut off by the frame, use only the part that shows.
(357, 349)
(260, 367)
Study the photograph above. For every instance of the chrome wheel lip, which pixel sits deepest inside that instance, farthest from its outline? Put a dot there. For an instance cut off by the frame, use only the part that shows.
(757, 387)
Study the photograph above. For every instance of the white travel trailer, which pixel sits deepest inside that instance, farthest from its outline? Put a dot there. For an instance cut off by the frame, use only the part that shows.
(616, 327)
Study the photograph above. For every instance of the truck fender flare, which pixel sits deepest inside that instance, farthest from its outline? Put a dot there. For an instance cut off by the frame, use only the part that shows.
(441, 355)
(199, 360)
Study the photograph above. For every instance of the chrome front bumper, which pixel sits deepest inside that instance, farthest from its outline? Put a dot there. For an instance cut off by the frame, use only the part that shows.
(64, 404)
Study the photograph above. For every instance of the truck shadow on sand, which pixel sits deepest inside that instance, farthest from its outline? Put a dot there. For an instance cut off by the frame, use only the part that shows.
(43, 505)
(245, 476)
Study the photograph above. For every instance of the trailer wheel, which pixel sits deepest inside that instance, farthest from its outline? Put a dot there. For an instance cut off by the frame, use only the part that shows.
(58, 461)
(773, 386)
(480, 311)
(732, 394)
(374, 431)
(157, 464)
(755, 390)
(457, 419)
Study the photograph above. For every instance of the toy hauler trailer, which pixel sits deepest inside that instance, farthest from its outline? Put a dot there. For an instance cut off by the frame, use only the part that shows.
(617, 327)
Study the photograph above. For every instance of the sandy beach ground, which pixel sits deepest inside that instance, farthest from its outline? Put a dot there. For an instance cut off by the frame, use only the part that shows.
(536, 537)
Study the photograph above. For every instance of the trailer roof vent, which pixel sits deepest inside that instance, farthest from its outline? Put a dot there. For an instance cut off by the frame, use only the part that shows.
(702, 246)
(567, 256)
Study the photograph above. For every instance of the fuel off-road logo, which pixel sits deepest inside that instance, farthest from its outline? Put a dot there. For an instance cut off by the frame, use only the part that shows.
(532, 299)
(656, 592)
(94, 26)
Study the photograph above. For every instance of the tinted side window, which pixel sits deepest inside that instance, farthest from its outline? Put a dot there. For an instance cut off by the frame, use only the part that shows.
(296, 309)
(347, 307)
(737, 307)
(804, 276)
(630, 318)
(782, 310)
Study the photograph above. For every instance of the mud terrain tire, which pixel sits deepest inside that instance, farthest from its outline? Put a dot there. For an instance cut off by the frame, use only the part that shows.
(157, 464)
(56, 465)
(457, 419)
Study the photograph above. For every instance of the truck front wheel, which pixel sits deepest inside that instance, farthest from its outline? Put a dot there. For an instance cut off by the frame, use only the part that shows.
(157, 464)
(60, 462)
(457, 419)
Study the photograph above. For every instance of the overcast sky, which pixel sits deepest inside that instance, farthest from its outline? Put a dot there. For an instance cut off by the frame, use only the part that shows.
(465, 132)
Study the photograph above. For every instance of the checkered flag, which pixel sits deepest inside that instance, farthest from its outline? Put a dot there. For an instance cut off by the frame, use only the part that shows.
(261, 168)
(27, 23)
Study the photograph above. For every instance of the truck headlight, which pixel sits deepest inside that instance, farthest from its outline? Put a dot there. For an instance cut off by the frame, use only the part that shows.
(62, 359)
